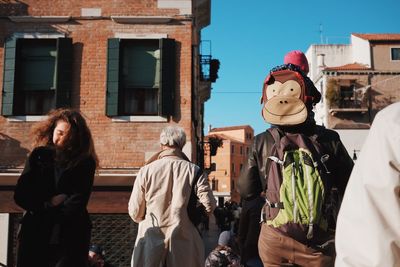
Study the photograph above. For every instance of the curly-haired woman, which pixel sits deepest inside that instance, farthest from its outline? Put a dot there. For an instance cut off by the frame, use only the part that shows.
(54, 190)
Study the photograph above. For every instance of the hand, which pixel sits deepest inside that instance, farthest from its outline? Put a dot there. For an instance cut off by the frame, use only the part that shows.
(58, 199)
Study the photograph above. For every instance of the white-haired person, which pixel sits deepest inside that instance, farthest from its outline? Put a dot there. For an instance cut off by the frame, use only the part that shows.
(159, 203)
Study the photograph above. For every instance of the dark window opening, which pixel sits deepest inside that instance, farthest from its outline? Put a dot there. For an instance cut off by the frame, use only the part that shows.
(35, 76)
(395, 53)
(347, 96)
(214, 184)
(140, 76)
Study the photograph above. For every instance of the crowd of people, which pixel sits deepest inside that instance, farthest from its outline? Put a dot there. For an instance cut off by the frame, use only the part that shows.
(285, 187)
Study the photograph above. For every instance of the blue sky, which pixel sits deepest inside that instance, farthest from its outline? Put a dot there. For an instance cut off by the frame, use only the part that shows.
(251, 37)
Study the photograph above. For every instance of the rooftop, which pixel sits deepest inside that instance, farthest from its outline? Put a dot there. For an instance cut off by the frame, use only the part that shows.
(351, 66)
(223, 137)
(378, 36)
(230, 128)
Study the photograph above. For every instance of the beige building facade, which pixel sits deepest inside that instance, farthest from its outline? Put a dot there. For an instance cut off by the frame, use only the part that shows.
(226, 165)
(356, 81)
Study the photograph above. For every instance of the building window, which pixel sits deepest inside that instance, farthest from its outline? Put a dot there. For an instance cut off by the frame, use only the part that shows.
(140, 77)
(347, 96)
(241, 150)
(37, 75)
(248, 136)
(232, 149)
(241, 167)
(214, 184)
(247, 150)
(395, 53)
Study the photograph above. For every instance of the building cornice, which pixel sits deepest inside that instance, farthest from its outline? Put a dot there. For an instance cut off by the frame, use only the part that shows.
(141, 19)
(39, 19)
(358, 72)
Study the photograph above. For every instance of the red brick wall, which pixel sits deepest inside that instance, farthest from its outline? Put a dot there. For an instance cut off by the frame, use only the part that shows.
(117, 144)
(73, 7)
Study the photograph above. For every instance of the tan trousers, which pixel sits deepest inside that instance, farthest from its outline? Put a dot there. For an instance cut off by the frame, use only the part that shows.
(277, 250)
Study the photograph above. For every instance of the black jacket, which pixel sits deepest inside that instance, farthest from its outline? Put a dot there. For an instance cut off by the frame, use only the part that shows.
(66, 226)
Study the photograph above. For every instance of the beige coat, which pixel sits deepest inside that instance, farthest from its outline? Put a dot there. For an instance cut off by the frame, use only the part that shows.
(368, 226)
(158, 203)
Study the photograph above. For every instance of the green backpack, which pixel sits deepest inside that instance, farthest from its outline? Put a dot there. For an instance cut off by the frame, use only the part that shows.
(297, 187)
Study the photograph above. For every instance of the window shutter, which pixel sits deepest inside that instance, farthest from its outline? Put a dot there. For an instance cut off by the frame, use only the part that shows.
(167, 77)
(8, 76)
(64, 72)
(112, 77)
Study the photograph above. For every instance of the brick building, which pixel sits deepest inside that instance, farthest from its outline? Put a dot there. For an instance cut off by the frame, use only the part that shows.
(229, 160)
(131, 67)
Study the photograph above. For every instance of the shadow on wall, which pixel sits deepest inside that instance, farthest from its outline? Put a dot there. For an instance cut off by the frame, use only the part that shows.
(178, 101)
(12, 154)
(13, 8)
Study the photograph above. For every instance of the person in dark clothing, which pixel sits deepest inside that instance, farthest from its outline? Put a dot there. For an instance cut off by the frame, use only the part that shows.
(220, 218)
(249, 230)
(287, 106)
(54, 189)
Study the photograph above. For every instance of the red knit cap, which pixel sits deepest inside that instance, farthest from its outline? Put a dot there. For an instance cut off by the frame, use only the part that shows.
(298, 58)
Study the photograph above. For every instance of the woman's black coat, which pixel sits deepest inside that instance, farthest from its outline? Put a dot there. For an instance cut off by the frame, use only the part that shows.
(54, 236)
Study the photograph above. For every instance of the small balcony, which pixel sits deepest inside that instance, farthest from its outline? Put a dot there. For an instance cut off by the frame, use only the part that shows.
(349, 99)
(208, 66)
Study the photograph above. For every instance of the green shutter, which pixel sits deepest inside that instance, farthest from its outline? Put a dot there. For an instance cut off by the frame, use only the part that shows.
(64, 72)
(112, 77)
(8, 76)
(167, 77)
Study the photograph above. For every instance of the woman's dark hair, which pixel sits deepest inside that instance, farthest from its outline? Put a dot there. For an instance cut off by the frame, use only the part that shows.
(78, 143)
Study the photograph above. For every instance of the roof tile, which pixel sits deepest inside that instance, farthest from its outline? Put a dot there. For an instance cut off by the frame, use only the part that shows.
(351, 66)
(378, 36)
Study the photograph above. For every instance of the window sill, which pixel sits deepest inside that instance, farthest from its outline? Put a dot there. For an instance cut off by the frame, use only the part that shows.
(26, 118)
(139, 119)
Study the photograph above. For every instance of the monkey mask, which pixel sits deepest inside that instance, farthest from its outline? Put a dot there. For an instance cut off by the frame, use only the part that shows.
(285, 97)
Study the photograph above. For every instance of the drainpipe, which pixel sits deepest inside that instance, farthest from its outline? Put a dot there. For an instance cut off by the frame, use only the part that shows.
(370, 75)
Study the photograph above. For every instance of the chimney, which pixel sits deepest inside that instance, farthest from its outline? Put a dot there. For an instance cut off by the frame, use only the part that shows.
(209, 128)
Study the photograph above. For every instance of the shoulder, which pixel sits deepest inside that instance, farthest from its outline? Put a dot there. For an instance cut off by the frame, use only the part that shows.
(325, 134)
(43, 150)
(42, 154)
(263, 137)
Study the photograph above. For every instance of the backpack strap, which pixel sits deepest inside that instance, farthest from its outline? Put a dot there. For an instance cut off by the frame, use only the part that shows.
(317, 149)
(272, 137)
(275, 133)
